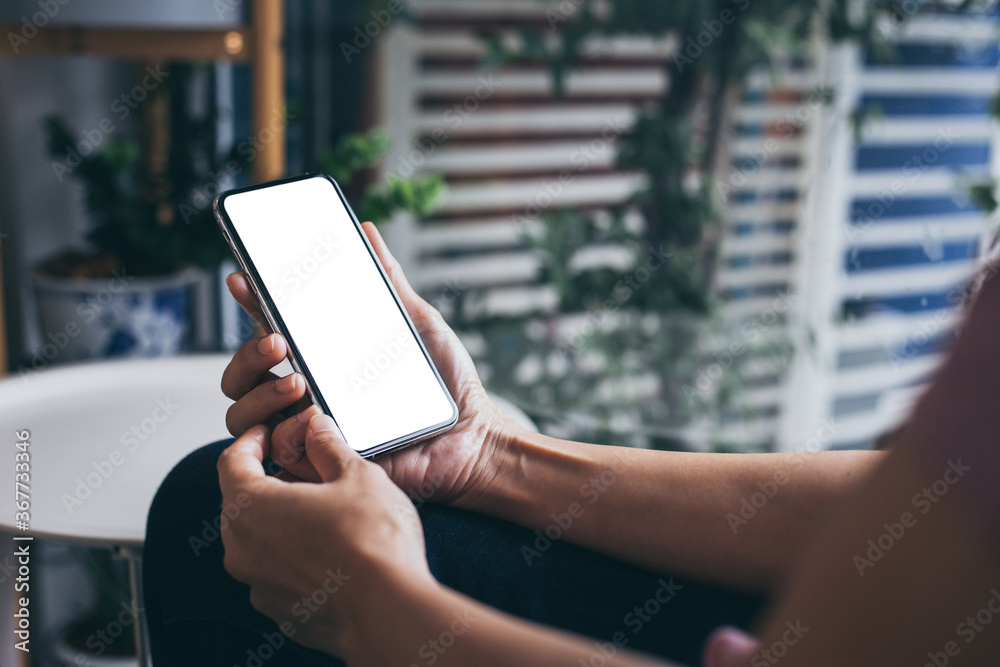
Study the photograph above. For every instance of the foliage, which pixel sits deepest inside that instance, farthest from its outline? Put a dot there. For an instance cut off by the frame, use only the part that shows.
(356, 153)
(156, 219)
(675, 145)
(149, 212)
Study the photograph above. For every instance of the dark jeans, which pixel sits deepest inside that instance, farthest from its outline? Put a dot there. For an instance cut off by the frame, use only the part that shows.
(199, 615)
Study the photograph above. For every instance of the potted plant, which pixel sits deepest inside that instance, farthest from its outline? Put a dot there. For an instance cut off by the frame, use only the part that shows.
(130, 292)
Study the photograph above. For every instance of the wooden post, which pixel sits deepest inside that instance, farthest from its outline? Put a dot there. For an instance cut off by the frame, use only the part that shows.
(268, 66)
(4, 360)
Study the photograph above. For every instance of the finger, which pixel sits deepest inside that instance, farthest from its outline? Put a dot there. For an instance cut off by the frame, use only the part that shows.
(241, 463)
(263, 401)
(251, 363)
(392, 268)
(239, 287)
(729, 647)
(289, 437)
(286, 476)
(326, 448)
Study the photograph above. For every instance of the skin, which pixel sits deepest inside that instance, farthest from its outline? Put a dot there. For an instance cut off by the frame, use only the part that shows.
(646, 505)
(922, 602)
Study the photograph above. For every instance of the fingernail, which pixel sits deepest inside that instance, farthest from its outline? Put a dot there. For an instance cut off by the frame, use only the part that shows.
(728, 646)
(266, 345)
(307, 414)
(287, 383)
(321, 423)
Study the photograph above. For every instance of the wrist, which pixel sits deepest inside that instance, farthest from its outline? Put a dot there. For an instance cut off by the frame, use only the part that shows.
(499, 467)
(531, 474)
(396, 601)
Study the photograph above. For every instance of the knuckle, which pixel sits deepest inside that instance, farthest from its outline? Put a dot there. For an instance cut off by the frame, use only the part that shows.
(257, 600)
(394, 270)
(429, 318)
(232, 423)
(434, 316)
(228, 389)
(233, 565)
(224, 457)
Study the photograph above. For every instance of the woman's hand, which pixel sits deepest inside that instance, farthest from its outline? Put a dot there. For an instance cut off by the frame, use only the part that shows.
(453, 467)
(340, 567)
(314, 555)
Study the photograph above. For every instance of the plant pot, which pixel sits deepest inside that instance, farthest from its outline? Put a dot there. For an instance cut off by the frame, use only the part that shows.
(70, 657)
(121, 316)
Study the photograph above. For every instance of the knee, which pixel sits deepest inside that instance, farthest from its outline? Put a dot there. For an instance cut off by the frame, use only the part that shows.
(187, 496)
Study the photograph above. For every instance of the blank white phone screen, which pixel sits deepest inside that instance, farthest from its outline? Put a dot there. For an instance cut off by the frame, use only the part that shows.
(350, 334)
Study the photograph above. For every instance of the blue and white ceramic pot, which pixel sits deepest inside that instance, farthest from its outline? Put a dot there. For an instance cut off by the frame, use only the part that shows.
(117, 317)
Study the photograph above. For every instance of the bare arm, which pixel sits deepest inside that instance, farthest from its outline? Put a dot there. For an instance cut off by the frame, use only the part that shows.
(736, 519)
(909, 574)
(854, 604)
(431, 624)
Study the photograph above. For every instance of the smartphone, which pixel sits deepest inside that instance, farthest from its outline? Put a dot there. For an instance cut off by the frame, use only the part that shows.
(321, 286)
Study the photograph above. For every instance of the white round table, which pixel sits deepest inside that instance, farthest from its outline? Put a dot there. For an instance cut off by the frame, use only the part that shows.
(103, 436)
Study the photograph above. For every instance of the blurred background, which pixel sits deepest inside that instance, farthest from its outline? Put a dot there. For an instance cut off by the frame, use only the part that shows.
(738, 225)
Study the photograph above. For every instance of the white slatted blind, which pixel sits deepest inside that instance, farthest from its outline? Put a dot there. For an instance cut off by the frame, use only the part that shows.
(507, 147)
(894, 235)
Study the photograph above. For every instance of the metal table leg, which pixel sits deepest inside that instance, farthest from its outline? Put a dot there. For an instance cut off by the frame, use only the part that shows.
(134, 558)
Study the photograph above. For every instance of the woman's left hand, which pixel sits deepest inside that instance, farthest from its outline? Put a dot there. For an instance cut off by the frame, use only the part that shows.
(314, 555)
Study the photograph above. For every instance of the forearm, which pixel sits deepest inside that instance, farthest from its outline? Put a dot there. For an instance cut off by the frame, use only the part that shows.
(851, 603)
(430, 624)
(733, 518)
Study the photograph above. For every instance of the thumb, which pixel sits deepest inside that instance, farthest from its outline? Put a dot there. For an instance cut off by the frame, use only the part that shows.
(326, 448)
